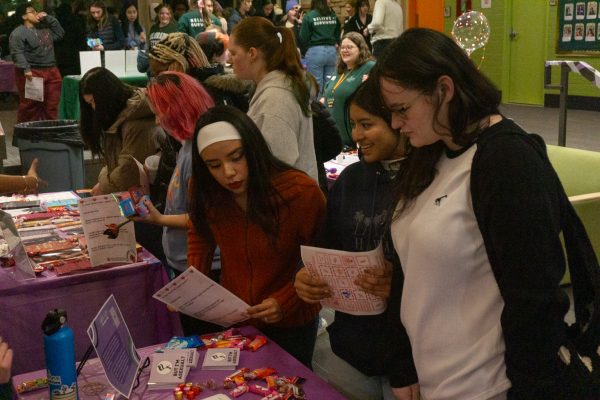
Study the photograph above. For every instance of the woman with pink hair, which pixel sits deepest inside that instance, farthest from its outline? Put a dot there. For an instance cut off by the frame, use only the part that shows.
(178, 100)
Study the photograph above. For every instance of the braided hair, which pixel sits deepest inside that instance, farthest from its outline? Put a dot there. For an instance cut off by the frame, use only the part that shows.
(180, 51)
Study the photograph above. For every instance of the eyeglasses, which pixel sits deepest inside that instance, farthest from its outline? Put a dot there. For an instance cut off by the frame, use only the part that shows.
(401, 112)
(348, 48)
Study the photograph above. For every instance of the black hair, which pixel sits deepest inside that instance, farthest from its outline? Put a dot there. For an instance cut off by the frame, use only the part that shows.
(321, 6)
(110, 98)
(125, 21)
(22, 10)
(208, 194)
(419, 57)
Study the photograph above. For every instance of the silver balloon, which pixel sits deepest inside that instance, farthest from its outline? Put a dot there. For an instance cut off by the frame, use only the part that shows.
(471, 31)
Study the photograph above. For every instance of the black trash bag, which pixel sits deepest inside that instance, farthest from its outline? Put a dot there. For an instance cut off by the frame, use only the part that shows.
(58, 131)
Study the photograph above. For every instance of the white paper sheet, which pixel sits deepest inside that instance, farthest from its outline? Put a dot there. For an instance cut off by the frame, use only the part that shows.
(89, 60)
(131, 60)
(97, 214)
(196, 295)
(339, 269)
(34, 88)
(114, 61)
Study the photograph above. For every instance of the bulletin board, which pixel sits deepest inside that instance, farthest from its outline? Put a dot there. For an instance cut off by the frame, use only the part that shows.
(579, 26)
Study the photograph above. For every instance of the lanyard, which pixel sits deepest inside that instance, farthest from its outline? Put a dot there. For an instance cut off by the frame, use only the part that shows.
(339, 82)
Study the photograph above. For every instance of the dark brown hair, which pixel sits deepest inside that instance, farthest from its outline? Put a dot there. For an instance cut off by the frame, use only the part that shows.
(364, 54)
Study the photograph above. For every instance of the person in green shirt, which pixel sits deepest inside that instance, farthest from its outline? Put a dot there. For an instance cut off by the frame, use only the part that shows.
(320, 33)
(192, 22)
(353, 67)
(159, 30)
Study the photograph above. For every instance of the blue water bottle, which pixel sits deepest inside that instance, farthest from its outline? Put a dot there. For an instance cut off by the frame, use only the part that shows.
(59, 347)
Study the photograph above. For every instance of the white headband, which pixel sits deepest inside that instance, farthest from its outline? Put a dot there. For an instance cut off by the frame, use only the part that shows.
(216, 132)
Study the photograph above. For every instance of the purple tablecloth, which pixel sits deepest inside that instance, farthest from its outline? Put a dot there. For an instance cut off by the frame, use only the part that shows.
(24, 304)
(7, 77)
(270, 355)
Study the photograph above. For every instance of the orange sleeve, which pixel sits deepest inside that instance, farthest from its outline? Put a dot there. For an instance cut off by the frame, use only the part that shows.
(200, 249)
(309, 214)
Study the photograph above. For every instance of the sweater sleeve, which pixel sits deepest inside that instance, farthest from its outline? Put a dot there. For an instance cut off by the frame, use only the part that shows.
(57, 30)
(17, 50)
(516, 201)
(309, 212)
(378, 16)
(200, 249)
(183, 25)
(305, 30)
(126, 173)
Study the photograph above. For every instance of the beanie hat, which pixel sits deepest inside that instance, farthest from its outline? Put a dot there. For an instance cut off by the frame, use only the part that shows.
(290, 4)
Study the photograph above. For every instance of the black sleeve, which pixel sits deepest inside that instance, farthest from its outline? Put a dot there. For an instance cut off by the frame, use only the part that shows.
(517, 204)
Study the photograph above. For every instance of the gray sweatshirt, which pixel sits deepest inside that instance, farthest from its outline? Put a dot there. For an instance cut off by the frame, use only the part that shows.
(34, 47)
(288, 132)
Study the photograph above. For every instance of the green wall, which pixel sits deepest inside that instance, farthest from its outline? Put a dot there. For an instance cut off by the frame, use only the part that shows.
(496, 59)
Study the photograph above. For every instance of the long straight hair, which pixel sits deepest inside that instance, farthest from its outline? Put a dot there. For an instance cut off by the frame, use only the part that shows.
(110, 97)
(278, 46)
(125, 21)
(263, 197)
(103, 19)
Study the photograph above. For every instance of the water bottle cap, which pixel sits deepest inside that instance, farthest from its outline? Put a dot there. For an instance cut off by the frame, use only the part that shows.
(54, 320)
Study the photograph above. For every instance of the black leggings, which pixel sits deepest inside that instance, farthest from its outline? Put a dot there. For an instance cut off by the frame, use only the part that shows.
(298, 341)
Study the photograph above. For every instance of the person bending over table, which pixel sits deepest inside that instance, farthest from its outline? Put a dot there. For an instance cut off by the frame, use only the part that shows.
(359, 206)
(118, 125)
(258, 210)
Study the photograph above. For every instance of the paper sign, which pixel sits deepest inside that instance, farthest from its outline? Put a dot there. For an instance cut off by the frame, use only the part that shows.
(102, 213)
(89, 60)
(196, 295)
(131, 60)
(34, 88)
(339, 269)
(114, 346)
(114, 61)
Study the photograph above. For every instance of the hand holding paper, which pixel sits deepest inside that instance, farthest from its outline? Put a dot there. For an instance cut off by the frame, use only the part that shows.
(340, 270)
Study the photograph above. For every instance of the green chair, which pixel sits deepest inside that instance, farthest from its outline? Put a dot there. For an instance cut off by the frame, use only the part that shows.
(579, 172)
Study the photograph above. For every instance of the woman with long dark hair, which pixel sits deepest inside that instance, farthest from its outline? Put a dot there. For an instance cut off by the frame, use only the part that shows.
(374, 349)
(135, 35)
(480, 246)
(104, 26)
(280, 107)
(258, 210)
(118, 125)
(320, 34)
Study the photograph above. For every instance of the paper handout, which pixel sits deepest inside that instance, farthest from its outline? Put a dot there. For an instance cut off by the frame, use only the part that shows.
(339, 269)
(196, 295)
(34, 89)
(98, 214)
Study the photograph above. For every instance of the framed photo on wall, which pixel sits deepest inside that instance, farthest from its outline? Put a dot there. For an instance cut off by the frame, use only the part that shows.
(578, 24)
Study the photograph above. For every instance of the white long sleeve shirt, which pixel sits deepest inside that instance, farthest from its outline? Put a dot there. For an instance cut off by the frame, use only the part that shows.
(388, 20)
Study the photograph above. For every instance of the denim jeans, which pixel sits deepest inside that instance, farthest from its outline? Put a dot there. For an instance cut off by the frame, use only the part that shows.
(320, 62)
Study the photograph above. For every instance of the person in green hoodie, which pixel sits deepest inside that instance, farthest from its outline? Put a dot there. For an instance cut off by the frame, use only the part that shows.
(320, 33)
(192, 22)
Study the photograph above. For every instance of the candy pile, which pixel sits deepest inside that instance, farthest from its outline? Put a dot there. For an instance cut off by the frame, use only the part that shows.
(275, 387)
(232, 338)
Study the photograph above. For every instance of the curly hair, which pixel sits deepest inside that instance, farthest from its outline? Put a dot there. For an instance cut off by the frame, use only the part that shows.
(364, 54)
(180, 51)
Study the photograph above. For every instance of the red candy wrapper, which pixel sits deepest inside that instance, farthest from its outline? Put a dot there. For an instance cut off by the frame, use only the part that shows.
(258, 389)
(257, 343)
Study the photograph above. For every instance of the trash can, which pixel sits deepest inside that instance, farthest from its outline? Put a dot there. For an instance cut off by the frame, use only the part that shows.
(58, 147)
